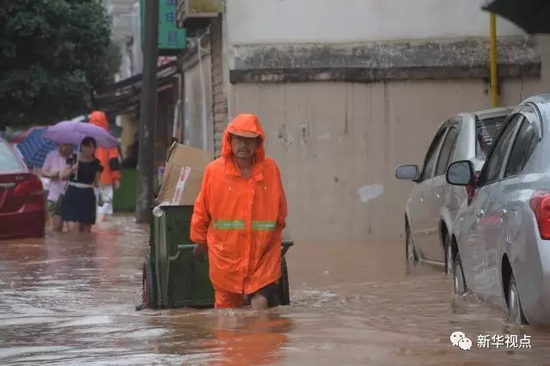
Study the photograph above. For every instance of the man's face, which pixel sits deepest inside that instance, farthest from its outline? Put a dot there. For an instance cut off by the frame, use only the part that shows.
(65, 149)
(244, 147)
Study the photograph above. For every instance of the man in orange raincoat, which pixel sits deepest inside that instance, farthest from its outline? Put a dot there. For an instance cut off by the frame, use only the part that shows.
(239, 216)
(110, 177)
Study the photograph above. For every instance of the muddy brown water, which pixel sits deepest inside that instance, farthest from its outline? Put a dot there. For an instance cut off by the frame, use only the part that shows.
(69, 300)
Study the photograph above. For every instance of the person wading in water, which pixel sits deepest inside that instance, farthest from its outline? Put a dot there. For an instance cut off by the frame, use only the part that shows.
(238, 219)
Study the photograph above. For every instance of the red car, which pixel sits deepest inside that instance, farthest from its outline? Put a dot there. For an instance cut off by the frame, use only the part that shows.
(22, 203)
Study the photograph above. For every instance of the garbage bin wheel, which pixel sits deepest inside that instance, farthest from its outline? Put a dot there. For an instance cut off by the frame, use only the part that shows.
(284, 286)
(149, 288)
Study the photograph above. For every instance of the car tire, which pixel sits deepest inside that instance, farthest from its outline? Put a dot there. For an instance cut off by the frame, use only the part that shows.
(410, 251)
(459, 281)
(448, 255)
(515, 310)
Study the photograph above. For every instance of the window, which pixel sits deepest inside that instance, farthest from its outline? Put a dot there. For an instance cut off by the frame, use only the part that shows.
(493, 165)
(8, 159)
(486, 132)
(431, 156)
(447, 151)
(521, 151)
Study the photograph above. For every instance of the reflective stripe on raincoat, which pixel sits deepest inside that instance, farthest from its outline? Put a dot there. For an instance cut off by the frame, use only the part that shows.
(241, 219)
(108, 176)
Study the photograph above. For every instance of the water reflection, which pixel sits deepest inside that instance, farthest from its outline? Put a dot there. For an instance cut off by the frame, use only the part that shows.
(69, 300)
(256, 341)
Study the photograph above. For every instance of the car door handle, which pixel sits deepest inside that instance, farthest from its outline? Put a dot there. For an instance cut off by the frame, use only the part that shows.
(503, 212)
(438, 195)
(480, 214)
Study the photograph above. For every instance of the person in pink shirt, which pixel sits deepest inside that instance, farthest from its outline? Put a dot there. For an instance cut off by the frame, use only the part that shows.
(56, 162)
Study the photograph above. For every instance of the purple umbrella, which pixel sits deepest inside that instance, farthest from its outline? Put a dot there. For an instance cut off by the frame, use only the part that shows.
(70, 132)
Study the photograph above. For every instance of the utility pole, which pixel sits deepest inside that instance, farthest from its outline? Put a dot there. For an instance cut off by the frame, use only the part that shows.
(494, 61)
(148, 114)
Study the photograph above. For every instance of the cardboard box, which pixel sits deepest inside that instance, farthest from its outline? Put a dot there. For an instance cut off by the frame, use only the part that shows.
(182, 179)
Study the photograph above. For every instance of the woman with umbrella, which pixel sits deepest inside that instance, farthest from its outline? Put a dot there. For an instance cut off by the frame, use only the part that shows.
(78, 204)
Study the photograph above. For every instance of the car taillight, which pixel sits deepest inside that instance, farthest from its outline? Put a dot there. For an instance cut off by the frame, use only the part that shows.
(540, 204)
(30, 187)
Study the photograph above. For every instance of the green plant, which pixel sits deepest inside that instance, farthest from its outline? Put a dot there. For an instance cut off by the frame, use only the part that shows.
(53, 53)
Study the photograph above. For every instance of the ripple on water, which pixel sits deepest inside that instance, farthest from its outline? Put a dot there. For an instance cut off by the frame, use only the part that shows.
(22, 351)
(86, 321)
(70, 302)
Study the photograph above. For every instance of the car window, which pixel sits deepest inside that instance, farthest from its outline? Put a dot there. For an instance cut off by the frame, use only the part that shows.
(495, 160)
(521, 151)
(8, 160)
(447, 151)
(431, 156)
(486, 132)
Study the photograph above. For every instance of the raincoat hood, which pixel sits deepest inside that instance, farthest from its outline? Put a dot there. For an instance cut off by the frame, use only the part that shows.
(248, 123)
(99, 119)
(106, 156)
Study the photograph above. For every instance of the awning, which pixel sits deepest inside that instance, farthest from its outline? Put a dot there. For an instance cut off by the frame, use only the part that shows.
(124, 96)
(533, 16)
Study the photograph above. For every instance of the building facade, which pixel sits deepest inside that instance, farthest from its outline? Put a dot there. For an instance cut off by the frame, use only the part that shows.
(348, 90)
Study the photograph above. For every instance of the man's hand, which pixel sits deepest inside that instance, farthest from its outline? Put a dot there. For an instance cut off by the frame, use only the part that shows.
(56, 176)
(200, 249)
(68, 171)
(116, 185)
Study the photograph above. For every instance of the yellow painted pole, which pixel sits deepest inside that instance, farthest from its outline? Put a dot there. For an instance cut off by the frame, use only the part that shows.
(494, 63)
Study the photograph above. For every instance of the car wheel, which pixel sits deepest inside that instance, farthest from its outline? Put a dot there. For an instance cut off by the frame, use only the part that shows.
(410, 251)
(448, 256)
(515, 311)
(459, 281)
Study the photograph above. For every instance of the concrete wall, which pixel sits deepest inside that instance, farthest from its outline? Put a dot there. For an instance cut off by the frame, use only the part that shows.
(338, 143)
(346, 90)
(367, 41)
(343, 21)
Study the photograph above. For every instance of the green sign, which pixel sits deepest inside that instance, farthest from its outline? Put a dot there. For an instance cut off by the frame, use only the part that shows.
(170, 36)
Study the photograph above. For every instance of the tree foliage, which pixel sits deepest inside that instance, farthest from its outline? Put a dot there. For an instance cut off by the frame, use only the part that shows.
(53, 53)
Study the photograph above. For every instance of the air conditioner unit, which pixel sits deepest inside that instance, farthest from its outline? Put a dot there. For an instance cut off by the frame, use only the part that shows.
(195, 14)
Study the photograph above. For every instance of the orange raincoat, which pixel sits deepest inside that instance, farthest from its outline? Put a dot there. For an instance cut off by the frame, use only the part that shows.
(241, 220)
(108, 176)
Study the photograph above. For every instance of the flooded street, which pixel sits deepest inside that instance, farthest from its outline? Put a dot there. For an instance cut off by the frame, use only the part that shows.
(68, 300)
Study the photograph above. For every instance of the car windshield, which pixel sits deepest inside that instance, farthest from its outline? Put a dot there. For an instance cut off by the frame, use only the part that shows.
(8, 160)
(487, 130)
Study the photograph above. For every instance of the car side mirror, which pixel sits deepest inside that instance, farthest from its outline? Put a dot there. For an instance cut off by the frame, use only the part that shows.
(461, 173)
(407, 172)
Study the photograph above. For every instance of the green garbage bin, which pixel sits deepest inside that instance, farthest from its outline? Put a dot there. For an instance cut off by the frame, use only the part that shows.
(124, 199)
(173, 277)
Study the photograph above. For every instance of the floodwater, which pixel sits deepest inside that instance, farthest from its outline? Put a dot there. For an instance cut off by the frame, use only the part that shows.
(70, 300)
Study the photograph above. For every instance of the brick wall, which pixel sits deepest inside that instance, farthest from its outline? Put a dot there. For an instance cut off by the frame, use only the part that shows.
(219, 105)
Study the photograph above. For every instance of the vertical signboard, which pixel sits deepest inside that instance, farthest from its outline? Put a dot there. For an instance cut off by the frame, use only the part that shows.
(170, 38)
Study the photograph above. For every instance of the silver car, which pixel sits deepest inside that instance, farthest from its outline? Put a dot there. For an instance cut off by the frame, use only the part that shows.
(433, 204)
(500, 241)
